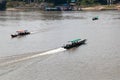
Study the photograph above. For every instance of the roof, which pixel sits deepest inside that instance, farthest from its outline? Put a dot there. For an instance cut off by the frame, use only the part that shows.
(21, 31)
(95, 17)
(76, 40)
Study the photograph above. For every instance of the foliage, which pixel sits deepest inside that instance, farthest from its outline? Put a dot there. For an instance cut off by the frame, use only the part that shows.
(80, 2)
(15, 4)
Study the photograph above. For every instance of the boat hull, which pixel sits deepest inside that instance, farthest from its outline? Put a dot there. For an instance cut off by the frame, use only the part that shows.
(13, 35)
(20, 34)
(95, 19)
(69, 46)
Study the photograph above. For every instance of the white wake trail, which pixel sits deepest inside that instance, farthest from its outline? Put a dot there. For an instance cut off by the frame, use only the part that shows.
(54, 51)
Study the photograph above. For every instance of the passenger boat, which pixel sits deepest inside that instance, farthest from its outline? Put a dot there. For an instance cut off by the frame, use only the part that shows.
(20, 33)
(95, 18)
(74, 43)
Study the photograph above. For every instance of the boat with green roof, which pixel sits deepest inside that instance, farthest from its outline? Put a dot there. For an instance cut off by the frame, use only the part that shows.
(74, 43)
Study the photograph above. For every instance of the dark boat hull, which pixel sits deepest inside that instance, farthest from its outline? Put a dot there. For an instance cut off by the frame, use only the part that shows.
(20, 34)
(14, 35)
(95, 19)
(26, 33)
(69, 46)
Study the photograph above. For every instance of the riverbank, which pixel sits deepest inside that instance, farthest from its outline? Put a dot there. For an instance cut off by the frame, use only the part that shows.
(22, 9)
(101, 7)
(94, 8)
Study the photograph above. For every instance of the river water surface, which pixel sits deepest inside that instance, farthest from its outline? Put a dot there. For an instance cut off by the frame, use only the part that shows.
(38, 56)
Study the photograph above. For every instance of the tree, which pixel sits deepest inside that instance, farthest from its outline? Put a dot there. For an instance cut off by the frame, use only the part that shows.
(86, 2)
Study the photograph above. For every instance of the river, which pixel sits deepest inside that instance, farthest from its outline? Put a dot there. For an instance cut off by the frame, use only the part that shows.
(39, 56)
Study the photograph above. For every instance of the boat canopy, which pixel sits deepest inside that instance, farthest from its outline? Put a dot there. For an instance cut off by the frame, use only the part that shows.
(76, 40)
(96, 17)
(21, 31)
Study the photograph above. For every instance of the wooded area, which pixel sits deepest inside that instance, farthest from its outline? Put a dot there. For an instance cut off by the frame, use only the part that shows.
(79, 2)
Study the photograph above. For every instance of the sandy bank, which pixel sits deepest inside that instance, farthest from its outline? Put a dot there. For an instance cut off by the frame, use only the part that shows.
(22, 9)
(97, 8)
(93, 8)
(13, 9)
(118, 7)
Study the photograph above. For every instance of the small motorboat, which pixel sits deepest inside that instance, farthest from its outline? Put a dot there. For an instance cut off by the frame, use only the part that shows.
(20, 33)
(74, 43)
(95, 18)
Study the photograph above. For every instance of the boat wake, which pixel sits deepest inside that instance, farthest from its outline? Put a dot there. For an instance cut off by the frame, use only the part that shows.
(54, 51)
(12, 63)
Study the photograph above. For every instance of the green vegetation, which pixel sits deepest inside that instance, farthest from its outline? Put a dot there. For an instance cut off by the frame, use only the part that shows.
(14, 3)
(2, 5)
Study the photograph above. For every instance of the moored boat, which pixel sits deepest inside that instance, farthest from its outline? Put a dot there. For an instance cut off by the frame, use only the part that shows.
(74, 43)
(20, 33)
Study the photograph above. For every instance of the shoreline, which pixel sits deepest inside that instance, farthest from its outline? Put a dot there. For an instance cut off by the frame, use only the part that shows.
(95, 8)
(22, 9)
(101, 8)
